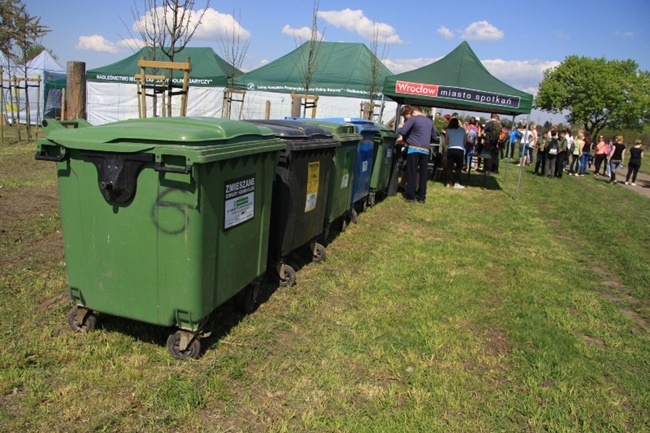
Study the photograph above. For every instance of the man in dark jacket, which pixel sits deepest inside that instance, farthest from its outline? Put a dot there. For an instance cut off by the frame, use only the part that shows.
(418, 132)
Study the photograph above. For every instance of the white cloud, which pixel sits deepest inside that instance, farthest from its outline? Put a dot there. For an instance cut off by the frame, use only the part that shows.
(302, 34)
(446, 33)
(628, 34)
(355, 21)
(216, 25)
(521, 74)
(132, 44)
(96, 43)
(482, 31)
(213, 26)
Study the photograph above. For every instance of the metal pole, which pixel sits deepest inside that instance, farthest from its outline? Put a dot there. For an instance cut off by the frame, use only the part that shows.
(512, 128)
(521, 166)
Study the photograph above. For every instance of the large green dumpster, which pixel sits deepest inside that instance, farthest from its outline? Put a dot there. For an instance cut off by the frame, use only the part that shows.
(383, 161)
(163, 219)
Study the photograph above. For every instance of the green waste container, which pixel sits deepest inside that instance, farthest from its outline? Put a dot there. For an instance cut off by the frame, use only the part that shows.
(343, 163)
(383, 161)
(300, 192)
(163, 219)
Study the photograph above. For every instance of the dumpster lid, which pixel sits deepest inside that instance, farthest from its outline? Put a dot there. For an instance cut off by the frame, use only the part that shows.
(188, 131)
(341, 130)
(289, 128)
(360, 122)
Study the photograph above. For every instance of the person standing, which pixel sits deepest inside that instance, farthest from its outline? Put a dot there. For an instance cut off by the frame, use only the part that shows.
(617, 154)
(418, 133)
(455, 139)
(576, 153)
(561, 154)
(552, 149)
(602, 149)
(526, 143)
(634, 164)
(540, 163)
(586, 154)
(470, 141)
(491, 133)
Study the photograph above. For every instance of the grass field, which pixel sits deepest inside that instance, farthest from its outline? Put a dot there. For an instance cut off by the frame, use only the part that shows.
(472, 313)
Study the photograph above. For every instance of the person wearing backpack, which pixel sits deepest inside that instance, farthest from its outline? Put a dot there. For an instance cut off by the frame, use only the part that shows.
(491, 133)
(552, 149)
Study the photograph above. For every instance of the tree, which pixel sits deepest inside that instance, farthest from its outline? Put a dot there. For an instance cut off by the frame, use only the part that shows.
(168, 27)
(372, 81)
(19, 33)
(597, 93)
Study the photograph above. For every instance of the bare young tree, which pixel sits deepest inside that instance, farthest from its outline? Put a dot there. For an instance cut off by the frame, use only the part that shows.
(234, 48)
(167, 27)
(311, 62)
(376, 65)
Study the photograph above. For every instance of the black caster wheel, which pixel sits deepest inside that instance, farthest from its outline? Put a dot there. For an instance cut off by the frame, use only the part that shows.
(288, 276)
(81, 319)
(193, 350)
(319, 253)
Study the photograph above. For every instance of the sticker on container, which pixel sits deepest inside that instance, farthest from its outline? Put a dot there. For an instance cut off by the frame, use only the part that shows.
(345, 181)
(239, 205)
(364, 166)
(313, 175)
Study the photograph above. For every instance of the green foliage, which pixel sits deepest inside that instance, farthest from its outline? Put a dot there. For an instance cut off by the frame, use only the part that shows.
(597, 93)
(19, 30)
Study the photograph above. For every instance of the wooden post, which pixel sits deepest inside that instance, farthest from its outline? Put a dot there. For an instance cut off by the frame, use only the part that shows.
(76, 91)
(267, 112)
(296, 105)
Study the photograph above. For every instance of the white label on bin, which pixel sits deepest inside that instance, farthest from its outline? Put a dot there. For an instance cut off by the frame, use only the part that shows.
(364, 166)
(345, 180)
(239, 205)
(313, 177)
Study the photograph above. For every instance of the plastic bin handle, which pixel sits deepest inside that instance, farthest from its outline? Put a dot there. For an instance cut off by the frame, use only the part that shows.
(163, 168)
(43, 156)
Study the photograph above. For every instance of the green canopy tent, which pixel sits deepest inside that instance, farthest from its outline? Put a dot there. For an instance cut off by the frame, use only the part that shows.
(340, 76)
(458, 81)
(111, 89)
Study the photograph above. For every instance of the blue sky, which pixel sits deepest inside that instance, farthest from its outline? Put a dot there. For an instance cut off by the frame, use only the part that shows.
(516, 41)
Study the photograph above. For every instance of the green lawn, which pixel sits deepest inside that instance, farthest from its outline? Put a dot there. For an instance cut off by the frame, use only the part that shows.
(473, 313)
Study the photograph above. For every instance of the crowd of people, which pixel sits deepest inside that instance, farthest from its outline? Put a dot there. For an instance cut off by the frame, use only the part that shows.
(465, 145)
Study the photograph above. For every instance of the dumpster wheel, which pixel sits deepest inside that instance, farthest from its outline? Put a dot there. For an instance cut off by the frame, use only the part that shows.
(371, 200)
(81, 319)
(287, 276)
(250, 298)
(344, 224)
(318, 253)
(353, 215)
(193, 349)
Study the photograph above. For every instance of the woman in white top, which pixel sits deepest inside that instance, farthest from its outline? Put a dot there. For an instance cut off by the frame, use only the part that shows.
(455, 141)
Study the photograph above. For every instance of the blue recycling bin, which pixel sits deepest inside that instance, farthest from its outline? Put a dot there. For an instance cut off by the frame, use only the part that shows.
(364, 160)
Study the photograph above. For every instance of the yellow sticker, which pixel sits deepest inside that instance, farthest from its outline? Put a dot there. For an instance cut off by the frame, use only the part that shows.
(313, 176)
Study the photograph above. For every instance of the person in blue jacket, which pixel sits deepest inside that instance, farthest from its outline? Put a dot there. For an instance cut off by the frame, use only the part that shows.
(418, 132)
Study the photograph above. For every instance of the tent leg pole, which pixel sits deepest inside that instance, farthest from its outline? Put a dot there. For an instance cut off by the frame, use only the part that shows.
(521, 167)
(509, 149)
